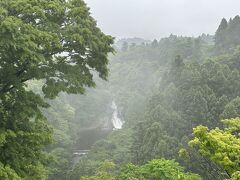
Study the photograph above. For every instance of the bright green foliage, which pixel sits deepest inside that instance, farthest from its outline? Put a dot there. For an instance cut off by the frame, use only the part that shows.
(221, 146)
(157, 169)
(184, 154)
(7, 173)
(236, 175)
(53, 41)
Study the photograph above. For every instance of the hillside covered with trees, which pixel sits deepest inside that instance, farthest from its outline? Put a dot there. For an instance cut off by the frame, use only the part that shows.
(64, 82)
(166, 89)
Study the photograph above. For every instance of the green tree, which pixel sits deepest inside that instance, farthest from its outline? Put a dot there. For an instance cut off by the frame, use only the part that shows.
(84, 167)
(232, 109)
(57, 42)
(103, 172)
(226, 37)
(7, 173)
(131, 172)
(221, 146)
(157, 169)
(220, 36)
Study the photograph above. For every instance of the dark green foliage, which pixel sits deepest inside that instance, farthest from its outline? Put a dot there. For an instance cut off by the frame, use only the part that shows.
(24, 133)
(58, 43)
(227, 35)
(219, 36)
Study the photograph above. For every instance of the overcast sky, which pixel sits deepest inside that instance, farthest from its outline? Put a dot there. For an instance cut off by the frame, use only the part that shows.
(151, 19)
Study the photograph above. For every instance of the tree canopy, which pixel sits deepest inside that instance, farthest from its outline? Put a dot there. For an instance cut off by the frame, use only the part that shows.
(58, 43)
(221, 146)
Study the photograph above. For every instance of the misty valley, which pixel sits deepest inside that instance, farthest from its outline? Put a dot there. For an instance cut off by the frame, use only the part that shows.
(78, 104)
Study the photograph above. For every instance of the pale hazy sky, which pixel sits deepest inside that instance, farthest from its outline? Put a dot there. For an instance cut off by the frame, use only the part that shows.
(151, 19)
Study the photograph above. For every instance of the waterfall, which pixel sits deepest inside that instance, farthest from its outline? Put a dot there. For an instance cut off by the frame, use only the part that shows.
(116, 121)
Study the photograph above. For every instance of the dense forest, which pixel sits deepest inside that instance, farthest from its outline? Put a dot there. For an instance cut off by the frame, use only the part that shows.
(75, 104)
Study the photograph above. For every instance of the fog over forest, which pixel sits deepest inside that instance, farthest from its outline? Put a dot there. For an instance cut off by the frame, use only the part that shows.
(154, 19)
(119, 90)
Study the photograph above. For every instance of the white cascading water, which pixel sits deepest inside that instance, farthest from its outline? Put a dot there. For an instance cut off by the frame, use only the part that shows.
(116, 121)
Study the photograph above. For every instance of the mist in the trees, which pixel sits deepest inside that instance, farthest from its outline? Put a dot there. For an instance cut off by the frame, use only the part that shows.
(161, 100)
(151, 19)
